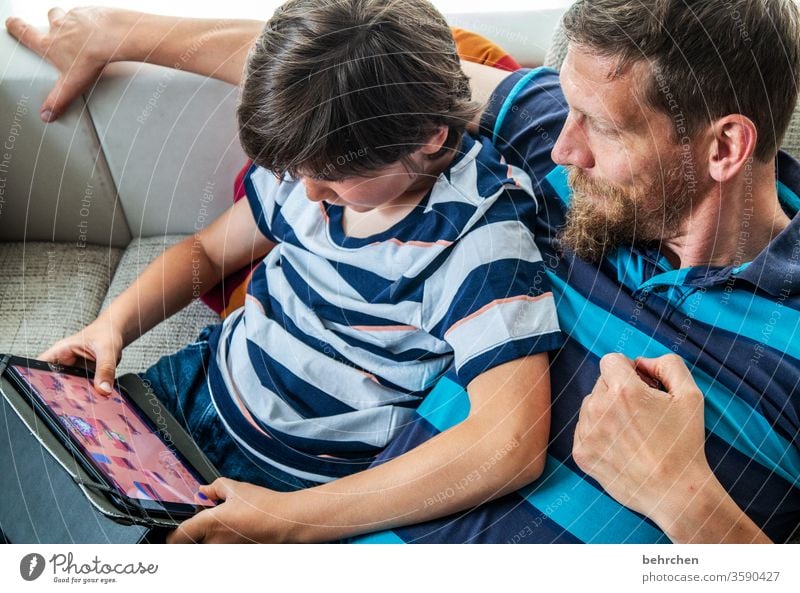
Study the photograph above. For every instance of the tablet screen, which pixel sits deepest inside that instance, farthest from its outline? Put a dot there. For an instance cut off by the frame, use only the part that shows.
(114, 435)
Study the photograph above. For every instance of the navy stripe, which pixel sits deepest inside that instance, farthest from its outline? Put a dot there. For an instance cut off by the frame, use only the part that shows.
(254, 200)
(486, 283)
(273, 448)
(274, 311)
(507, 352)
(303, 397)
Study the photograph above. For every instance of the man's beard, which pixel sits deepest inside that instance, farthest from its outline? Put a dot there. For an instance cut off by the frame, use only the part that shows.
(602, 216)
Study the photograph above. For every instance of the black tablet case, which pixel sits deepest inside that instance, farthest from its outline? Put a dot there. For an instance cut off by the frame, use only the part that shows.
(41, 500)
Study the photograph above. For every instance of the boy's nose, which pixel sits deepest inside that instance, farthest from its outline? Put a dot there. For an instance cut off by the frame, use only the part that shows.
(317, 191)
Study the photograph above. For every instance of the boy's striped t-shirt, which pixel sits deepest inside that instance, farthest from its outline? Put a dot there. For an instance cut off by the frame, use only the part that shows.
(341, 338)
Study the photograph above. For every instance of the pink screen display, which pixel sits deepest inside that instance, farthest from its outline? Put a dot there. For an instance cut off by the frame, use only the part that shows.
(113, 434)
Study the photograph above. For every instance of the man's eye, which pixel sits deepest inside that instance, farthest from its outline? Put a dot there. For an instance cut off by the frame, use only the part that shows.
(605, 130)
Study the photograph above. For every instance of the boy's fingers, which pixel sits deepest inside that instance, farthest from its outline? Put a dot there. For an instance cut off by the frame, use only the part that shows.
(219, 489)
(66, 90)
(104, 373)
(55, 14)
(191, 531)
(26, 35)
(58, 354)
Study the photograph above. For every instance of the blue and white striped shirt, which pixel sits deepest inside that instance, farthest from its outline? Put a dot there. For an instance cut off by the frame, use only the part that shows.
(341, 338)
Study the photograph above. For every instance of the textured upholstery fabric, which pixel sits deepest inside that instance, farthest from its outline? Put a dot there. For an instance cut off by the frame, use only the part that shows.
(49, 291)
(170, 335)
(557, 50)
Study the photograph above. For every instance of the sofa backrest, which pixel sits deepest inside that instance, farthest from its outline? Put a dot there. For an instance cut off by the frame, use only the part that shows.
(151, 151)
(54, 181)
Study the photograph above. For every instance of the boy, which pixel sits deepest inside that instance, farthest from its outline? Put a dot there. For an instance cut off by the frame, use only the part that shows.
(396, 247)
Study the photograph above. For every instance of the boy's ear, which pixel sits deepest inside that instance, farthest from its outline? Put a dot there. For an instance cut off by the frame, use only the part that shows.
(435, 142)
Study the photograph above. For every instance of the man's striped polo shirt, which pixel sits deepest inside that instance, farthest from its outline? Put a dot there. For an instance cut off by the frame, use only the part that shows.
(737, 327)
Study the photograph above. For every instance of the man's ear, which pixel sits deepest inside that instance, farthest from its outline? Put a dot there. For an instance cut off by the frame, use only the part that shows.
(435, 142)
(733, 144)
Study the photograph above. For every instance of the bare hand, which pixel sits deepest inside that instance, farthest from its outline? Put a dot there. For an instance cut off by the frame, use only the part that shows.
(646, 447)
(79, 44)
(98, 343)
(248, 514)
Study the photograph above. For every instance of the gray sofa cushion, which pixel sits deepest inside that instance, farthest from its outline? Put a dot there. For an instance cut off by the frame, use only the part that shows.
(50, 291)
(168, 336)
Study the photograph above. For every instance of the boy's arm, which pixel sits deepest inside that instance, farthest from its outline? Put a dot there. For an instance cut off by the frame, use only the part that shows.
(187, 270)
(179, 275)
(497, 449)
(81, 42)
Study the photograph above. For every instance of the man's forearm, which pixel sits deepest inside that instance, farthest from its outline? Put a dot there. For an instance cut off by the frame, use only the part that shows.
(705, 513)
(178, 276)
(212, 47)
(469, 464)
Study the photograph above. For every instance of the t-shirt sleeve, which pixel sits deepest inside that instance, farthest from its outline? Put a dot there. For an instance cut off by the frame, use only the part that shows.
(524, 118)
(260, 188)
(491, 299)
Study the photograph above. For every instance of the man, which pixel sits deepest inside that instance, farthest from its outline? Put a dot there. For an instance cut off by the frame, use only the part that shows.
(665, 238)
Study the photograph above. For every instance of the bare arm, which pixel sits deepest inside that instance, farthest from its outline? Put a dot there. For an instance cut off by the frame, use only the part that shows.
(483, 80)
(81, 42)
(179, 275)
(497, 449)
(187, 270)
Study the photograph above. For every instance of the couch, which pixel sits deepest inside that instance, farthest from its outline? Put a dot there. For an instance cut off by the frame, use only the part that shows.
(146, 158)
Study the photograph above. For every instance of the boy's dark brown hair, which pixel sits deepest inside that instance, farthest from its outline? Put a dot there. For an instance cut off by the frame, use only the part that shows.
(708, 58)
(336, 88)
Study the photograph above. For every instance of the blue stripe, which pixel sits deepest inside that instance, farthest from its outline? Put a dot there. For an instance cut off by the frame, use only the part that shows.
(382, 537)
(264, 225)
(749, 315)
(559, 181)
(446, 405)
(274, 311)
(521, 83)
(788, 197)
(323, 307)
(672, 277)
(588, 513)
(726, 415)
(484, 284)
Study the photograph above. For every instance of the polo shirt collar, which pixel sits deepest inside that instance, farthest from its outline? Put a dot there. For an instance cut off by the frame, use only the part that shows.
(776, 270)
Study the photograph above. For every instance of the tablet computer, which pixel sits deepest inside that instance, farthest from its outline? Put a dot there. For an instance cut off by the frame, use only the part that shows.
(139, 469)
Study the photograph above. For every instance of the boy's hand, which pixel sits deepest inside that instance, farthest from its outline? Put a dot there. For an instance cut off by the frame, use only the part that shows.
(98, 343)
(247, 514)
(79, 44)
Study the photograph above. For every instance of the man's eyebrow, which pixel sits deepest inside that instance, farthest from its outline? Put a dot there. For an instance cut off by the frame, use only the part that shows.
(594, 118)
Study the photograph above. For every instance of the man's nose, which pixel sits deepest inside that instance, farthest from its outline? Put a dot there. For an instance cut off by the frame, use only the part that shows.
(571, 148)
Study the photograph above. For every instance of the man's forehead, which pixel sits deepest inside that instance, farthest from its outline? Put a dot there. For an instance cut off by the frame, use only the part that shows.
(593, 85)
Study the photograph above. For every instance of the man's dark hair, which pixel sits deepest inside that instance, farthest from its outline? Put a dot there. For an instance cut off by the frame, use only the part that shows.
(708, 58)
(335, 88)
